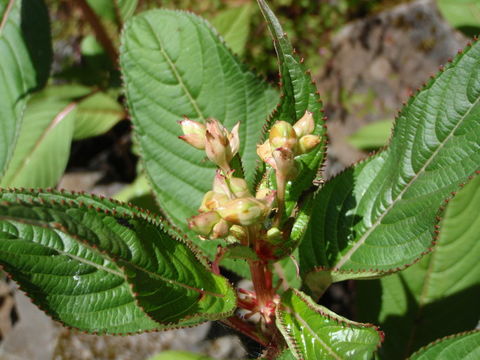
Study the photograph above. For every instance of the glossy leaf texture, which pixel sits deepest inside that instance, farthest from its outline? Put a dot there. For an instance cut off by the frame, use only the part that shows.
(314, 332)
(25, 55)
(99, 266)
(437, 296)
(174, 65)
(234, 26)
(299, 94)
(378, 217)
(465, 346)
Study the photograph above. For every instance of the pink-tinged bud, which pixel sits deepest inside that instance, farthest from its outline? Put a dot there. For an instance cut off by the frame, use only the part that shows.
(285, 163)
(305, 125)
(230, 186)
(203, 224)
(221, 146)
(264, 151)
(194, 133)
(307, 143)
(212, 200)
(220, 230)
(282, 135)
(243, 211)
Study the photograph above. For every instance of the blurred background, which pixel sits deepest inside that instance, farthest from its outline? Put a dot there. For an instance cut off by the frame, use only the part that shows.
(366, 57)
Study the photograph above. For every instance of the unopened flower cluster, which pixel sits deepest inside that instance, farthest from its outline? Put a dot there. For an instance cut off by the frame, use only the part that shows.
(230, 207)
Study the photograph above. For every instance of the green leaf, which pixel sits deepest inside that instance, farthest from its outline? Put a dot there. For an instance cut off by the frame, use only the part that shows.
(96, 115)
(378, 217)
(286, 355)
(126, 8)
(114, 10)
(461, 14)
(464, 346)
(372, 136)
(299, 94)
(43, 147)
(314, 332)
(25, 55)
(174, 65)
(234, 26)
(437, 296)
(138, 188)
(99, 266)
(179, 355)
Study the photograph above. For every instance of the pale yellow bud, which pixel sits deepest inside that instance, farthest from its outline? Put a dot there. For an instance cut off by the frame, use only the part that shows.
(307, 143)
(194, 133)
(238, 232)
(220, 230)
(264, 151)
(243, 211)
(231, 186)
(203, 224)
(305, 125)
(212, 200)
(274, 236)
(283, 135)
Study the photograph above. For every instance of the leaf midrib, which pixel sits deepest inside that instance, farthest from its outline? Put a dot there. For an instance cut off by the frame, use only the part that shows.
(5, 16)
(377, 222)
(176, 73)
(61, 115)
(290, 311)
(87, 243)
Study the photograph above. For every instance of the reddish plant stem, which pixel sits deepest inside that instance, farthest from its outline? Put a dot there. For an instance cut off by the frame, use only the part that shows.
(262, 282)
(99, 30)
(246, 329)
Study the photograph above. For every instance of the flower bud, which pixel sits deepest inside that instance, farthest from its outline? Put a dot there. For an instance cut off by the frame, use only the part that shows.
(194, 133)
(264, 151)
(239, 187)
(274, 236)
(203, 224)
(238, 232)
(220, 230)
(307, 143)
(283, 135)
(236, 187)
(285, 162)
(305, 125)
(221, 146)
(243, 211)
(212, 200)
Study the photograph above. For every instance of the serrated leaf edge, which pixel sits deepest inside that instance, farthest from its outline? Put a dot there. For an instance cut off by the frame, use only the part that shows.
(156, 221)
(439, 340)
(294, 347)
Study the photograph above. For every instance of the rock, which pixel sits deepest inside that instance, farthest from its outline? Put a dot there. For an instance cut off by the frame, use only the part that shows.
(376, 64)
(33, 337)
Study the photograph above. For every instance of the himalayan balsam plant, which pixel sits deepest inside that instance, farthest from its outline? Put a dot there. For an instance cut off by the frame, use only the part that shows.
(237, 171)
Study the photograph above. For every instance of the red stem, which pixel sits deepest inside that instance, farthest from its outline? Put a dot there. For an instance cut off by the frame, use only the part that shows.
(99, 30)
(246, 329)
